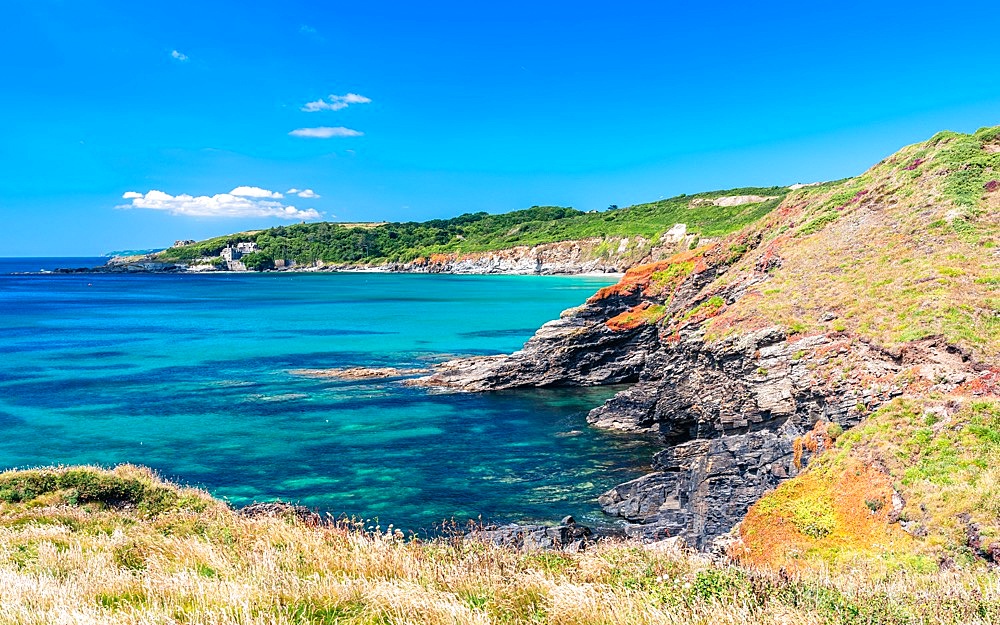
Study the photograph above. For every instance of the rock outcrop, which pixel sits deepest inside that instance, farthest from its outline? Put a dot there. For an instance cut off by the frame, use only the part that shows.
(734, 413)
(578, 349)
(357, 373)
(567, 536)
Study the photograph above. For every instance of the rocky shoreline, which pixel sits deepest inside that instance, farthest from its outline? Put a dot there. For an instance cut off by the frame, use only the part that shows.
(736, 416)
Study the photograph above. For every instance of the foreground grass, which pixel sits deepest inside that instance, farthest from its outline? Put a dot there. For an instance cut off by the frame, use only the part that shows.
(140, 551)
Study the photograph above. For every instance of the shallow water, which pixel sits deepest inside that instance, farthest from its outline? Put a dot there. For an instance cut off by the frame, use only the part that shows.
(189, 374)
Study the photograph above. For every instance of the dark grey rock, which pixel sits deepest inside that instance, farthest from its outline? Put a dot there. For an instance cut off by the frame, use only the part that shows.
(280, 509)
(567, 537)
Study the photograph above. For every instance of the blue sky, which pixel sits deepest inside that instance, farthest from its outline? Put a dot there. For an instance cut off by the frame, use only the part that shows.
(441, 108)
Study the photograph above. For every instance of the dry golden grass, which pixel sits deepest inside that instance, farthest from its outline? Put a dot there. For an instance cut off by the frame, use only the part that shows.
(199, 562)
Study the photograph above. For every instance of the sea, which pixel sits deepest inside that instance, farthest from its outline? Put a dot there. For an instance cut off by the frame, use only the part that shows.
(192, 375)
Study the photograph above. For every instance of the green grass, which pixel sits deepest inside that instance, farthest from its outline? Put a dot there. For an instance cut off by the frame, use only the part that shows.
(970, 167)
(942, 460)
(126, 486)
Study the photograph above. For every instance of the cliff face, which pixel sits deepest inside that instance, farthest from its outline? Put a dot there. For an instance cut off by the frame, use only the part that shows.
(740, 348)
(592, 255)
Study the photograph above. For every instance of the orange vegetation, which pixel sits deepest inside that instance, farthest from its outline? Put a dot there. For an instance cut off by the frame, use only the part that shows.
(636, 316)
(659, 277)
(830, 512)
(816, 441)
(988, 383)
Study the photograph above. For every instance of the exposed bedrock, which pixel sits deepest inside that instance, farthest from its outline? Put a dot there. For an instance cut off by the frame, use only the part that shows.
(578, 349)
(732, 414)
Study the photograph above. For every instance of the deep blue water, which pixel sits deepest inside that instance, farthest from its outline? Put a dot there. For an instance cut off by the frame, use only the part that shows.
(190, 375)
(27, 264)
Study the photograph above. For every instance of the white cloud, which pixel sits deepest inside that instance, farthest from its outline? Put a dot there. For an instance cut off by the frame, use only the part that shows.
(180, 56)
(325, 132)
(255, 192)
(219, 205)
(335, 103)
(308, 194)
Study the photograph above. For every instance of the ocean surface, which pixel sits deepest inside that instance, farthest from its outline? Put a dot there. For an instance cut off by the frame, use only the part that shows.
(190, 375)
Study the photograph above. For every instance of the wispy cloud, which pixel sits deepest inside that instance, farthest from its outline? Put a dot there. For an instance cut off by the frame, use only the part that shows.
(335, 103)
(240, 202)
(306, 193)
(325, 132)
(180, 56)
(305, 29)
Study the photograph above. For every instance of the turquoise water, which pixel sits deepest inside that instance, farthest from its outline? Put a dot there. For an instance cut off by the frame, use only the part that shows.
(189, 374)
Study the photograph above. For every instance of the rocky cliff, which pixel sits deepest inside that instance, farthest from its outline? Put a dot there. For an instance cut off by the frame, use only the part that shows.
(592, 255)
(846, 296)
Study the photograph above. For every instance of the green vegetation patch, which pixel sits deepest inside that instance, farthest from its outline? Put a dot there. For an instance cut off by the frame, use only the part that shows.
(81, 486)
(946, 465)
(478, 232)
(972, 163)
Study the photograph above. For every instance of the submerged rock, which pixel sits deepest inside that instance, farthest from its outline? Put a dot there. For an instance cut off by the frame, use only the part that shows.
(357, 373)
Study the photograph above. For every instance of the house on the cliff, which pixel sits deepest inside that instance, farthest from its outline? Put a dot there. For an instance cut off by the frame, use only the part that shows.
(233, 253)
(238, 251)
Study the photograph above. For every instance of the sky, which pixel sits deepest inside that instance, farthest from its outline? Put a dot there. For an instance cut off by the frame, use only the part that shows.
(128, 125)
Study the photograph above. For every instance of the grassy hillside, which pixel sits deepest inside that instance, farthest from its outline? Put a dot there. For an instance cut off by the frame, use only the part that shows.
(904, 251)
(84, 545)
(907, 250)
(474, 232)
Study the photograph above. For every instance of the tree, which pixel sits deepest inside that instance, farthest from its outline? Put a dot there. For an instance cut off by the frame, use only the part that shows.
(258, 261)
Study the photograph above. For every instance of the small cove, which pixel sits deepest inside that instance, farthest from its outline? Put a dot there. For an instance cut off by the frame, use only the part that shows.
(189, 374)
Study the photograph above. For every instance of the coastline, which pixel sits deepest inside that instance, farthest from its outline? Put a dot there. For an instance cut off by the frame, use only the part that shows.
(382, 269)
